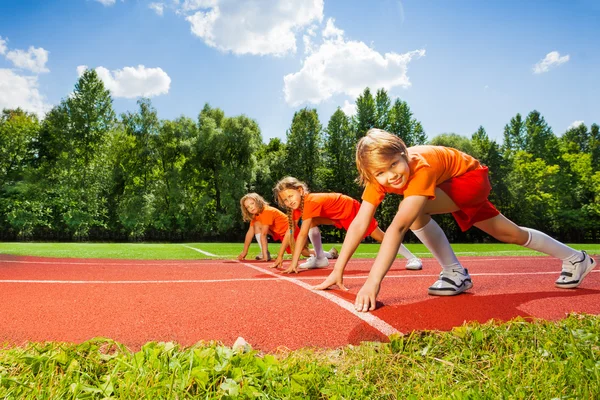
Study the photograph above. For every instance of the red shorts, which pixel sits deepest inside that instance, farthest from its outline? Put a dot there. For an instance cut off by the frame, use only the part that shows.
(345, 223)
(470, 192)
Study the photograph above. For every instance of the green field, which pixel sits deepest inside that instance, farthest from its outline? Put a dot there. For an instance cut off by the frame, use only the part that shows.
(164, 251)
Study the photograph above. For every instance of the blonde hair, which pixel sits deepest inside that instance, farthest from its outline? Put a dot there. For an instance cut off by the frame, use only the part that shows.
(290, 183)
(375, 150)
(260, 204)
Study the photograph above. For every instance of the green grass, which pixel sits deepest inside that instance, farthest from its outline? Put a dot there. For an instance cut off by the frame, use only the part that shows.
(162, 251)
(518, 359)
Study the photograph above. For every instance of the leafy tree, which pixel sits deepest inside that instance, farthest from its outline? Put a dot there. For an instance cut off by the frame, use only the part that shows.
(173, 147)
(382, 110)
(366, 113)
(340, 145)
(455, 141)
(270, 168)
(533, 183)
(224, 152)
(576, 140)
(514, 135)
(594, 146)
(303, 150)
(18, 130)
(540, 141)
(403, 125)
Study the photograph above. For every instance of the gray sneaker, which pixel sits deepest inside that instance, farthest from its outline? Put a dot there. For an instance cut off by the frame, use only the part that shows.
(573, 272)
(451, 282)
(260, 257)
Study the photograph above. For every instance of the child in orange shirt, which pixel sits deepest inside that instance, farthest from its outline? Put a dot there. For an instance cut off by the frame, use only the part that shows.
(314, 209)
(266, 220)
(437, 180)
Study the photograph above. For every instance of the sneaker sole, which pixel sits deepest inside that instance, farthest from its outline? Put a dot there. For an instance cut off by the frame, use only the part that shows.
(573, 285)
(450, 292)
(420, 267)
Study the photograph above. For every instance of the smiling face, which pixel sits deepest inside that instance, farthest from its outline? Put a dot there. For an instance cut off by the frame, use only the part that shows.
(251, 206)
(291, 198)
(391, 173)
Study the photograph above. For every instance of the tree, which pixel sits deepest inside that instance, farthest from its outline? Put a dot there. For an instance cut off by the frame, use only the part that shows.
(18, 130)
(539, 138)
(576, 140)
(382, 110)
(303, 150)
(594, 146)
(455, 141)
(514, 135)
(366, 113)
(224, 152)
(340, 145)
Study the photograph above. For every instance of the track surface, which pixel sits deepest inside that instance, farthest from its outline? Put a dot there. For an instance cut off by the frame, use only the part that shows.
(134, 301)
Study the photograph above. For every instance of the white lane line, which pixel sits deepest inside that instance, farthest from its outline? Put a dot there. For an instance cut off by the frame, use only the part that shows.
(370, 319)
(274, 278)
(206, 253)
(115, 261)
(134, 282)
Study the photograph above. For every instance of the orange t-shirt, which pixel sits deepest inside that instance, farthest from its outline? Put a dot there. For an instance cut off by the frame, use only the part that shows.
(335, 206)
(272, 217)
(429, 166)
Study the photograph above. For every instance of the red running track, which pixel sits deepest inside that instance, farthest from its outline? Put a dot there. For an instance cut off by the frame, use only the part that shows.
(134, 301)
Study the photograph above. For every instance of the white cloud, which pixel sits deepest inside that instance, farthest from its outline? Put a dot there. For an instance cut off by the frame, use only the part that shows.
(81, 69)
(131, 82)
(258, 27)
(192, 5)
(21, 91)
(347, 67)
(158, 8)
(349, 108)
(34, 59)
(552, 59)
(106, 2)
(2, 45)
(331, 31)
(575, 124)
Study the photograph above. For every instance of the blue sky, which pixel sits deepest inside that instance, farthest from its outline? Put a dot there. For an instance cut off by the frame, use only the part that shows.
(459, 64)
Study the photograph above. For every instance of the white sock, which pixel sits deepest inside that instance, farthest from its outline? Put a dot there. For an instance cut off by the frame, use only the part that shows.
(404, 252)
(543, 243)
(434, 238)
(314, 234)
(257, 236)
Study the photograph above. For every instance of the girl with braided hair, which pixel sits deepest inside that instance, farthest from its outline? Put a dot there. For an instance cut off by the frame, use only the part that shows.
(266, 220)
(309, 210)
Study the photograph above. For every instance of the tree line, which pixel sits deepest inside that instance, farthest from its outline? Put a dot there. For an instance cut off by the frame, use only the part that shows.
(84, 173)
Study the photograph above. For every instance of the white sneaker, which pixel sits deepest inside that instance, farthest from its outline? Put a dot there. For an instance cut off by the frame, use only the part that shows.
(314, 262)
(414, 264)
(451, 282)
(573, 272)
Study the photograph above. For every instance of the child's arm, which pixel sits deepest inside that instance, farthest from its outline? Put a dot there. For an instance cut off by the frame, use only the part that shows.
(409, 210)
(247, 241)
(300, 242)
(356, 233)
(284, 244)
